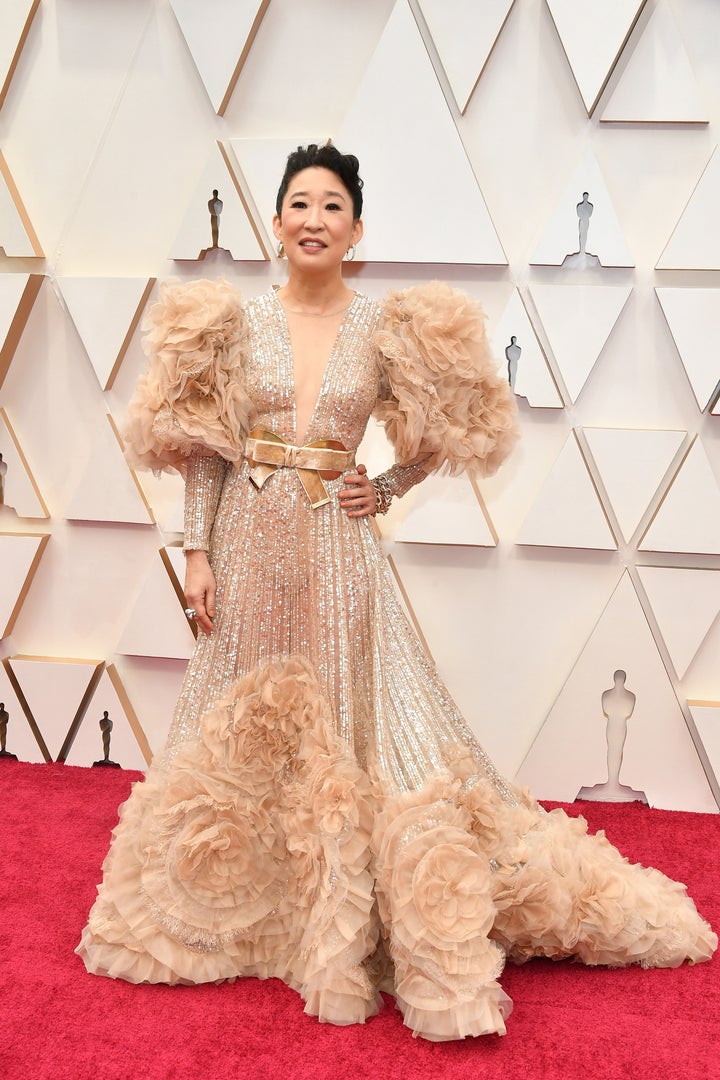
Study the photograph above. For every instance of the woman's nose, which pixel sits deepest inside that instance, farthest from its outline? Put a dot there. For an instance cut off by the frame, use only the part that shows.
(313, 218)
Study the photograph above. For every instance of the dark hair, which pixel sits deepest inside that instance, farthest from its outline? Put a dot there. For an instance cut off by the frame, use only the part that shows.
(345, 166)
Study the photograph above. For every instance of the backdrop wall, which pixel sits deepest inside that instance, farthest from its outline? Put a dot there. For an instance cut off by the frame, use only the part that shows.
(478, 127)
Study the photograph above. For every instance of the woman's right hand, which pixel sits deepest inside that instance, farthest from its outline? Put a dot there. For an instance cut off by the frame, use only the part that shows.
(200, 589)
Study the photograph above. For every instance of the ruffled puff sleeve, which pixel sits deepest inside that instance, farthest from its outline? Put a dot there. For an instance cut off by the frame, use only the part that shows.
(442, 400)
(192, 399)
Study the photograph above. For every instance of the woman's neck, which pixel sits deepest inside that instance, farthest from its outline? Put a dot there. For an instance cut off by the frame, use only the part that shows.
(313, 295)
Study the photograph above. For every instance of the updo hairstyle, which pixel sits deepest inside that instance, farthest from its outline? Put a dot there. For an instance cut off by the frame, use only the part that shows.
(345, 166)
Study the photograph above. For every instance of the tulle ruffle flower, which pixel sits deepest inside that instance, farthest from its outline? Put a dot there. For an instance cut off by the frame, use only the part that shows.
(443, 400)
(255, 729)
(333, 801)
(219, 852)
(451, 891)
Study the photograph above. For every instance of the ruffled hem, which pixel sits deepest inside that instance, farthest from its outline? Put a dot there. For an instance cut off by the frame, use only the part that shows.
(444, 402)
(560, 892)
(249, 857)
(263, 850)
(192, 398)
(434, 893)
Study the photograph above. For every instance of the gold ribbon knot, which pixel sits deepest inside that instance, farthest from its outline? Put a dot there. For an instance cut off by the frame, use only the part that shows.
(322, 459)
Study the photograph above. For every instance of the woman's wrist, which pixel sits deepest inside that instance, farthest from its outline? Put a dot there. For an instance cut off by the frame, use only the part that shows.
(383, 494)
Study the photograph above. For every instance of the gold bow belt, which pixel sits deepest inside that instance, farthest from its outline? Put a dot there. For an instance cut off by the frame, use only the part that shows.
(322, 459)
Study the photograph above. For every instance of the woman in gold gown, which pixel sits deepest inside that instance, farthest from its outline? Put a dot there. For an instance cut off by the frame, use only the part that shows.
(321, 812)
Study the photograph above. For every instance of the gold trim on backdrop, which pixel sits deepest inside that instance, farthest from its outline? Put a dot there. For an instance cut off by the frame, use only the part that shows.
(676, 467)
(43, 538)
(262, 8)
(23, 459)
(16, 56)
(131, 330)
(132, 717)
(409, 607)
(481, 502)
(234, 171)
(19, 320)
(22, 701)
(20, 207)
(82, 707)
(176, 584)
(116, 432)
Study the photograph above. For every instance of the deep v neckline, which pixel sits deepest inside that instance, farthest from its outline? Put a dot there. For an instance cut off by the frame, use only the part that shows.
(327, 370)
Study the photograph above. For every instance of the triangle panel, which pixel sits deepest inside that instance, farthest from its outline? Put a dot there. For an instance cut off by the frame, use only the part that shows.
(688, 519)
(632, 464)
(446, 510)
(108, 489)
(20, 555)
(584, 230)
(693, 315)
(157, 625)
(567, 511)
(578, 320)
(593, 35)
(464, 33)
(695, 241)
(685, 603)
(106, 312)
(515, 344)
(702, 678)
(236, 237)
(165, 495)
(658, 84)
(401, 93)
(219, 35)
(659, 759)
(127, 745)
(55, 688)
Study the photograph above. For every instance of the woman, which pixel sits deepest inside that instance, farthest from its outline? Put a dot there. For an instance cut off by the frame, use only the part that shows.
(322, 813)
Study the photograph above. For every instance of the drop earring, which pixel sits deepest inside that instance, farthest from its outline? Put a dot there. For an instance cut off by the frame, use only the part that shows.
(280, 251)
(350, 253)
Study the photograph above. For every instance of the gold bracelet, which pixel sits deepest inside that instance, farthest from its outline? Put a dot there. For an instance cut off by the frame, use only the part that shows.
(383, 494)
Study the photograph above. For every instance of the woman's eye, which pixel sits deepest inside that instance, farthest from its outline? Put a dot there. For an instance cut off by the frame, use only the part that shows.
(332, 206)
(298, 204)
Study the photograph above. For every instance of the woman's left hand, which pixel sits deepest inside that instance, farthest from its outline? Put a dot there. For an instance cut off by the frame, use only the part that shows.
(358, 498)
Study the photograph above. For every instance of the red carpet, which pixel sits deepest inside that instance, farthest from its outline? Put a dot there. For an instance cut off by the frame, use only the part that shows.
(569, 1022)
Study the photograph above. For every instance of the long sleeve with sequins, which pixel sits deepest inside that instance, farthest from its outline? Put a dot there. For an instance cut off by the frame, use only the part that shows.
(401, 478)
(203, 485)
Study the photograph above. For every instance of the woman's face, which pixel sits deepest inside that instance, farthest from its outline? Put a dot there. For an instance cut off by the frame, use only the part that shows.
(317, 225)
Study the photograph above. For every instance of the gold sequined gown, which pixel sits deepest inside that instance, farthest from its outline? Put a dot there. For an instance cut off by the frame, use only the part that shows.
(322, 813)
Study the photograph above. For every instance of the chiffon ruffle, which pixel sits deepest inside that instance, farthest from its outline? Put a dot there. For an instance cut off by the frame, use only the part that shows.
(265, 850)
(192, 399)
(444, 401)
